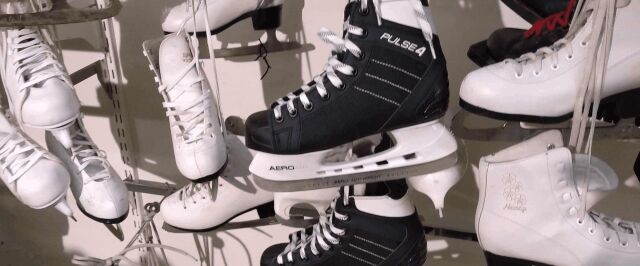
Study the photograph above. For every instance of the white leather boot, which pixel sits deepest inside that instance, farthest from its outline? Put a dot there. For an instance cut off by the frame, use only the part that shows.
(34, 176)
(530, 209)
(544, 87)
(39, 90)
(99, 192)
(198, 144)
(222, 14)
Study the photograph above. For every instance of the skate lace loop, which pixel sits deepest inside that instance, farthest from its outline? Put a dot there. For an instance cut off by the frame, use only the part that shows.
(34, 60)
(551, 22)
(340, 46)
(87, 154)
(610, 225)
(195, 191)
(190, 118)
(17, 155)
(115, 260)
(324, 233)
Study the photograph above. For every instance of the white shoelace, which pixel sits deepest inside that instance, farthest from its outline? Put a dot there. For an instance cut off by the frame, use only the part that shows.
(34, 60)
(87, 154)
(197, 191)
(17, 156)
(115, 260)
(334, 65)
(610, 226)
(323, 235)
(601, 13)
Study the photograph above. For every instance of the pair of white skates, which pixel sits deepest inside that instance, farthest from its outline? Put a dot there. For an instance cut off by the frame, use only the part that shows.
(41, 95)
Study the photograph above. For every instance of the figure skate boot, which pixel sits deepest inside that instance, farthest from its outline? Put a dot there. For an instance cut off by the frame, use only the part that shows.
(222, 14)
(196, 132)
(531, 212)
(99, 192)
(512, 43)
(387, 74)
(34, 176)
(377, 229)
(202, 207)
(37, 85)
(567, 78)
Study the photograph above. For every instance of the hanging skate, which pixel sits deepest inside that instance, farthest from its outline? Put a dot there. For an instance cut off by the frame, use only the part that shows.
(54, 12)
(364, 91)
(559, 82)
(220, 15)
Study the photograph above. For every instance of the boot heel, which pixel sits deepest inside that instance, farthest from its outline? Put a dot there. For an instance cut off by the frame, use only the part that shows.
(266, 210)
(267, 18)
(621, 106)
(495, 260)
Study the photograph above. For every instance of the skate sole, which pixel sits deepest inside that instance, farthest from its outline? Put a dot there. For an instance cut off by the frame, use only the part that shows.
(358, 178)
(212, 176)
(613, 108)
(262, 19)
(102, 220)
(496, 260)
(264, 211)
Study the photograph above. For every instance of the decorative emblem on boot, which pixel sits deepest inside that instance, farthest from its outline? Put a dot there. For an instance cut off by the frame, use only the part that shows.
(514, 194)
(404, 44)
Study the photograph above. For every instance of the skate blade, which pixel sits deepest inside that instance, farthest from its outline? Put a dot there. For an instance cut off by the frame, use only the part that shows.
(151, 50)
(358, 178)
(62, 15)
(625, 129)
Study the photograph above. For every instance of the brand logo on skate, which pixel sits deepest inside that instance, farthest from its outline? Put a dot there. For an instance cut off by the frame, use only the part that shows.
(514, 194)
(404, 44)
(282, 168)
(187, 57)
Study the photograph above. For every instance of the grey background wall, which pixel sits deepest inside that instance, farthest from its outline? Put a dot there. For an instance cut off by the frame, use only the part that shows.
(29, 237)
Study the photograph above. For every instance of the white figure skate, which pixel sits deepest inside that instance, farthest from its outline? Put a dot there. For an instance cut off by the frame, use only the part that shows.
(561, 81)
(39, 90)
(202, 207)
(529, 212)
(99, 192)
(32, 174)
(222, 14)
(196, 131)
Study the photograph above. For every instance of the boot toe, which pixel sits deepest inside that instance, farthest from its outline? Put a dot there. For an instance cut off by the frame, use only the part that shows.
(270, 255)
(259, 135)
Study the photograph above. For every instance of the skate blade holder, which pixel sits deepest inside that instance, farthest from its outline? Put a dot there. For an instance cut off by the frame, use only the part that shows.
(625, 129)
(271, 45)
(63, 13)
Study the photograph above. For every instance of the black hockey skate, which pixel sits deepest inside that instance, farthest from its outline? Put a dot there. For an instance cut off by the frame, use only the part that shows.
(383, 77)
(366, 234)
(512, 43)
(534, 10)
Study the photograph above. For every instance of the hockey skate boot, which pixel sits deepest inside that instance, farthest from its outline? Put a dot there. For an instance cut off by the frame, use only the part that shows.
(530, 200)
(376, 229)
(39, 90)
(387, 74)
(534, 10)
(222, 14)
(512, 43)
(201, 207)
(99, 192)
(567, 78)
(196, 132)
(34, 176)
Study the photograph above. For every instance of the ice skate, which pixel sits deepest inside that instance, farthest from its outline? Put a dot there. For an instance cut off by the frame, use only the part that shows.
(372, 84)
(99, 192)
(566, 79)
(535, 10)
(38, 88)
(201, 207)
(34, 176)
(381, 228)
(220, 15)
(531, 200)
(196, 132)
(512, 43)
(53, 12)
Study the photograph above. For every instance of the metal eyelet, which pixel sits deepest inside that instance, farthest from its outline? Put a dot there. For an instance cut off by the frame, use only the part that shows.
(308, 107)
(355, 72)
(570, 57)
(607, 239)
(584, 44)
(342, 86)
(624, 245)
(580, 222)
(364, 12)
(555, 67)
(279, 119)
(536, 73)
(294, 113)
(361, 57)
(591, 231)
(326, 97)
(519, 75)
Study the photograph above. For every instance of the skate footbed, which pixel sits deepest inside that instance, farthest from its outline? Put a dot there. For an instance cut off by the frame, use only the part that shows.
(612, 108)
